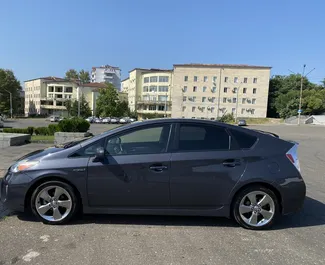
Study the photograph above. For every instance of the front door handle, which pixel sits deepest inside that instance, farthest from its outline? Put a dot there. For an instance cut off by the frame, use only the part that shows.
(231, 162)
(158, 168)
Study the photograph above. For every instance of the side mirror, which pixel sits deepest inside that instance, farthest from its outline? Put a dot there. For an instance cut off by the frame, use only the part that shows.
(100, 153)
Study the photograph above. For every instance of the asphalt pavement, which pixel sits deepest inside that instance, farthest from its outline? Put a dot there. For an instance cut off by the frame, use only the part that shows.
(104, 239)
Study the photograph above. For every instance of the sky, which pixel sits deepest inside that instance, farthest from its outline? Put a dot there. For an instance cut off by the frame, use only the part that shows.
(46, 38)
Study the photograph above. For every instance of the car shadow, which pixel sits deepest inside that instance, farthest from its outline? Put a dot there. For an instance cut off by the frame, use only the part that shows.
(312, 214)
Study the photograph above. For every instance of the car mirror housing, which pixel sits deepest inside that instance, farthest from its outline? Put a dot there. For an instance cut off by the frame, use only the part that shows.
(100, 153)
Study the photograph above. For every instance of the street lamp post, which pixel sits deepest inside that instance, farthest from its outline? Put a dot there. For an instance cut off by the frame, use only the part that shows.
(10, 101)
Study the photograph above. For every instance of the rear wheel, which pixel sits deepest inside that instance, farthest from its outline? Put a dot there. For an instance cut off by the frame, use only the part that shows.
(54, 202)
(255, 207)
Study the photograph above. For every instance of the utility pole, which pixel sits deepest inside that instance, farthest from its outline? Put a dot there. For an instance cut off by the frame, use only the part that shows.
(10, 102)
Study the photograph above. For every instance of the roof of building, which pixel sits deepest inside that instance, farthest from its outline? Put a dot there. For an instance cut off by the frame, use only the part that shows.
(105, 66)
(222, 65)
(151, 70)
(96, 85)
(49, 78)
(125, 79)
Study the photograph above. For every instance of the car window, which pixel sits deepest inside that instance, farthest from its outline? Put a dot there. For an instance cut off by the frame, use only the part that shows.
(202, 138)
(244, 140)
(145, 140)
(89, 150)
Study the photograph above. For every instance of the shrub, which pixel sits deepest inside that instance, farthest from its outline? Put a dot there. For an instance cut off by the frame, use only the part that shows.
(15, 130)
(53, 128)
(74, 125)
(227, 118)
(42, 131)
(30, 130)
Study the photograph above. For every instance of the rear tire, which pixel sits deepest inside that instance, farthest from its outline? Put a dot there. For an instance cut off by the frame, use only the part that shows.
(255, 207)
(54, 202)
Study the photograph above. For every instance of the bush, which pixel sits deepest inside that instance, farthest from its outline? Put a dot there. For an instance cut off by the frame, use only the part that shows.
(30, 130)
(53, 128)
(74, 125)
(227, 118)
(15, 130)
(42, 131)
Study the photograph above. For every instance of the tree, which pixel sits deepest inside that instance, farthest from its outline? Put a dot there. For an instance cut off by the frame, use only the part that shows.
(85, 110)
(9, 83)
(107, 102)
(84, 76)
(68, 105)
(72, 75)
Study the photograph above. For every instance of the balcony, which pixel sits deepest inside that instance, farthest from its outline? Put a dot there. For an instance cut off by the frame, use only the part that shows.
(53, 107)
(168, 102)
(154, 111)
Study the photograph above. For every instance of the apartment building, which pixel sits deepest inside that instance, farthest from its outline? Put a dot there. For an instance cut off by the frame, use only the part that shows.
(209, 91)
(149, 91)
(107, 74)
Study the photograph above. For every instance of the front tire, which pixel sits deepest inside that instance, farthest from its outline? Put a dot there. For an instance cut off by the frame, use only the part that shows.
(256, 208)
(54, 202)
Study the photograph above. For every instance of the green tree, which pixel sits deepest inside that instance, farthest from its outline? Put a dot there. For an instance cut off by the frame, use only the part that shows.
(107, 102)
(68, 105)
(9, 83)
(85, 110)
(84, 76)
(72, 75)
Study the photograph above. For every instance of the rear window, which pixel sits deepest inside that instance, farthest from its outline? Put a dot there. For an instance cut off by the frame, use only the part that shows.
(244, 140)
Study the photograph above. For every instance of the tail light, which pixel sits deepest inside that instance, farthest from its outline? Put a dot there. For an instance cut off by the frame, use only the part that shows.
(292, 155)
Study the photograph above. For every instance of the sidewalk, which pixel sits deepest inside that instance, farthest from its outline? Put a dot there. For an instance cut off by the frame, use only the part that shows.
(10, 154)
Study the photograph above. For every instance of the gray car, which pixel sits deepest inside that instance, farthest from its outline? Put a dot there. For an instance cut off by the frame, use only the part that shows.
(163, 166)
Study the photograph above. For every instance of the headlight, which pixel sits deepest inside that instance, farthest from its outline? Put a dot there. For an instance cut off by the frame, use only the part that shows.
(23, 165)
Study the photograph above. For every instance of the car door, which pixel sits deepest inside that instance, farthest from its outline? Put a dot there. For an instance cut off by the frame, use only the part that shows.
(135, 171)
(204, 168)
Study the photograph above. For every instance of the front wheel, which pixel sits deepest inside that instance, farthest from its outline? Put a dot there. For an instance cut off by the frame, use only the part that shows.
(256, 208)
(54, 202)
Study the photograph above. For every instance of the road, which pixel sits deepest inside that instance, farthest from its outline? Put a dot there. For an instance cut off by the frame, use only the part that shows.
(297, 239)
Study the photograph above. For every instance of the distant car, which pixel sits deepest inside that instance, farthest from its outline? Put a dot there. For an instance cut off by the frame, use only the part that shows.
(98, 120)
(1, 123)
(114, 120)
(124, 120)
(90, 119)
(61, 118)
(132, 120)
(106, 120)
(54, 118)
(242, 123)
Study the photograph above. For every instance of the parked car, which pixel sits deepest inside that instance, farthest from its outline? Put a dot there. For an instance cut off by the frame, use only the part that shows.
(114, 120)
(162, 166)
(54, 118)
(242, 123)
(107, 120)
(132, 120)
(124, 120)
(90, 119)
(98, 120)
(1, 123)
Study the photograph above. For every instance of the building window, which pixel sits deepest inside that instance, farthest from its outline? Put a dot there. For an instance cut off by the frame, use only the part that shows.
(236, 80)
(213, 99)
(163, 78)
(234, 100)
(146, 80)
(203, 99)
(244, 100)
(226, 79)
(214, 89)
(194, 89)
(245, 80)
(162, 98)
(254, 90)
(204, 89)
(68, 90)
(242, 111)
(255, 80)
(244, 90)
(225, 89)
(184, 98)
(235, 90)
(212, 109)
(253, 111)
(163, 88)
(224, 100)
(254, 101)
(184, 108)
(152, 107)
(195, 78)
(233, 110)
(202, 109)
(186, 78)
(145, 89)
(205, 79)
(214, 79)
(153, 89)
(193, 109)
(153, 79)
(185, 89)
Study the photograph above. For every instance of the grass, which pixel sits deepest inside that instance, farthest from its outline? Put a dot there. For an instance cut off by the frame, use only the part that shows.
(42, 138)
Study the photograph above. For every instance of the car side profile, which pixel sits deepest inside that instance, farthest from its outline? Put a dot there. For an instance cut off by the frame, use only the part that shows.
(162, 167)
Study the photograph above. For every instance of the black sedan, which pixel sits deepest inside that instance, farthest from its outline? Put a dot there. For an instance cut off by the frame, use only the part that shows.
(162, 166)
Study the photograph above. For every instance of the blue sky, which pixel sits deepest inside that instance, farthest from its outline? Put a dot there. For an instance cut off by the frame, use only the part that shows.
(43, 37)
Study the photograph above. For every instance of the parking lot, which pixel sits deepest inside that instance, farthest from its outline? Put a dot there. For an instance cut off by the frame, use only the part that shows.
(93, 239)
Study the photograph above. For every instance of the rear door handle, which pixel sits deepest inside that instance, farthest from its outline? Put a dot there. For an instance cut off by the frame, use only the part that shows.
(231, 162)
(158, 168)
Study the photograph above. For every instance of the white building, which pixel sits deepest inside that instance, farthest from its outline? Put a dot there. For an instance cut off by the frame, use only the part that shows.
(107, 74)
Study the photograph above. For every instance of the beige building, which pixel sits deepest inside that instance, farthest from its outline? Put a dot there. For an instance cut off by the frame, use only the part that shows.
(149, 91)
(210, 91)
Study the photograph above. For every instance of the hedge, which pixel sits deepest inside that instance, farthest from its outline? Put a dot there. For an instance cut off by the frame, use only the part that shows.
(74, 125)
(16, 130)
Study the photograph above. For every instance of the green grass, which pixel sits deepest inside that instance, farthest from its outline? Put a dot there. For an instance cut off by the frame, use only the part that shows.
(42, 138)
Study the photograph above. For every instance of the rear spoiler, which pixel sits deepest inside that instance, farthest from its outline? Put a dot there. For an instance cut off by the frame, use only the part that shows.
(260, 131)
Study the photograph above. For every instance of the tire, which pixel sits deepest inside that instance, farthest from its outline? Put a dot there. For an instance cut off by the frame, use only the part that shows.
(259, 214)
(54, 202)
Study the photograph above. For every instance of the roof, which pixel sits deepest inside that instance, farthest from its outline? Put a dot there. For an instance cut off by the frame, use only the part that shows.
(222, 65)
(125, 79)
(151, 70)
(96, 85)
(49, 78)
(105, 66)
(318, 118)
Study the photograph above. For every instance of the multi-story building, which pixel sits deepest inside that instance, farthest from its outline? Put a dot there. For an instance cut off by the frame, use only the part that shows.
(210, 91)
(149, 91)
(107, 74)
